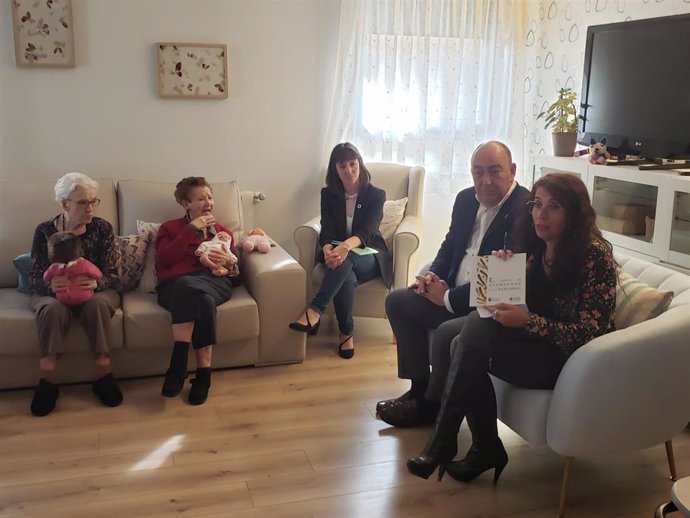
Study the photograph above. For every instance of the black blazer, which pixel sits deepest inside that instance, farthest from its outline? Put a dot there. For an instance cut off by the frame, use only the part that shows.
(454, 247)
(365, 223)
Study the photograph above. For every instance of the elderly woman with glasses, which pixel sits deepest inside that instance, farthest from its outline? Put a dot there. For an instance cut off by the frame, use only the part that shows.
(76, 194)
(571, 297)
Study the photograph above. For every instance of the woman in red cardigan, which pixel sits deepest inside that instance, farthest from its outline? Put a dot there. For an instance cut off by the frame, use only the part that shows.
(189, 290)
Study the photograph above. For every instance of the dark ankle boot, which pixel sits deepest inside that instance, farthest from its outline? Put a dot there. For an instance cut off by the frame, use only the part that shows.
(200, 385)
(466, 364)
(441, 447)
(487, 451)
(479, 459)
(177, 372)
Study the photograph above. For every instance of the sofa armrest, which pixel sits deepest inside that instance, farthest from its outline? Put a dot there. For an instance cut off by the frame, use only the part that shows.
(624, 391)
(307, 239)
(277, 283)
(405, 243)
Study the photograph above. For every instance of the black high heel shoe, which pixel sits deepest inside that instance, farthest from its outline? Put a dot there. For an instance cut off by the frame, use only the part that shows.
(345, 353)
(438, 452)
(309, 328)
(477, 462)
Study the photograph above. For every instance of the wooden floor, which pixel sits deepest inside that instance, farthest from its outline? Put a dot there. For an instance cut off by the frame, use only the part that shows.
(289, 441)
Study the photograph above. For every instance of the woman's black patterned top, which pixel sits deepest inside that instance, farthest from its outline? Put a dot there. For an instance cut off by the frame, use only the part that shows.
(98, 243)
(574, 319)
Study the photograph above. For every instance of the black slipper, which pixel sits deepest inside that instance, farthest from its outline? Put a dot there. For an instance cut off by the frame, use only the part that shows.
(45, 397)
(107, 390)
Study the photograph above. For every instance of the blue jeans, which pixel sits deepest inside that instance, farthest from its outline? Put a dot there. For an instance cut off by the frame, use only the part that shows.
(339, 285)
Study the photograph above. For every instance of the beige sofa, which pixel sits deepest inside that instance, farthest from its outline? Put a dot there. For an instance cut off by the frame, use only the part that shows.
(252, 326)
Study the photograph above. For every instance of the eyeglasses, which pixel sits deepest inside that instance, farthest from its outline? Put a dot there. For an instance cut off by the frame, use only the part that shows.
(551, 208)
(85, 203)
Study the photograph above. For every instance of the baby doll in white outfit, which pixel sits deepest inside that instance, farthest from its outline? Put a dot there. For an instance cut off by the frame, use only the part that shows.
(221, 242)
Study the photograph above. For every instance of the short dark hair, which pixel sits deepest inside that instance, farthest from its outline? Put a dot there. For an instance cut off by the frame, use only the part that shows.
(569, 263)
(184, 187)
(64, 247)
(344, 152)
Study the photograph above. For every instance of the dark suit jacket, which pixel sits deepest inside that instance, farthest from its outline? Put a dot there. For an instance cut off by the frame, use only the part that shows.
(365, 223)
(454, 247)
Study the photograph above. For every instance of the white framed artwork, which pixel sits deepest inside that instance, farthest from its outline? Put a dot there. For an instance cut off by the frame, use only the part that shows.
(193, 70)
(43, 34)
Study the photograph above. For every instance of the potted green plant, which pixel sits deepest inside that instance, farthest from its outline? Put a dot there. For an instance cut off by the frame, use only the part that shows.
(561, 116)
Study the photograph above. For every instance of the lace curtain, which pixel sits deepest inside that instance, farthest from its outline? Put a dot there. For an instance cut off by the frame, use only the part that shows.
(425, 81)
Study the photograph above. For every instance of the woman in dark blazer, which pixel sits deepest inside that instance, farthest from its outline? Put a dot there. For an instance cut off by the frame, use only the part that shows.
(351, 211)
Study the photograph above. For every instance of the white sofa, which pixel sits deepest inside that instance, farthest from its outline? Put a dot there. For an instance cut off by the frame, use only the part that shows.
(624, 391)
(252, 326)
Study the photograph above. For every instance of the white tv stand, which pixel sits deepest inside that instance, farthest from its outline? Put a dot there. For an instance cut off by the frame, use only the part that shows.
(646, 213)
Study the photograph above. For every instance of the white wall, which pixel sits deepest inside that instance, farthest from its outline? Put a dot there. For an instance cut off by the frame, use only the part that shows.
(555, 44)
(104, 117)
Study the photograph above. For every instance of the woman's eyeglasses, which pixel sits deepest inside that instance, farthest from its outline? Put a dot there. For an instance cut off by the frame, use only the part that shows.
(85, 203)
(550, 208)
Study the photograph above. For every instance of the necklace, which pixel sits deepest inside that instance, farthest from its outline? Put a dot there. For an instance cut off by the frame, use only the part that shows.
(350, 196)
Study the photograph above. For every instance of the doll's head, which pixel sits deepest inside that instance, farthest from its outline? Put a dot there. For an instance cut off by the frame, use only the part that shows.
(258, 231)
(64, 247)
(223, 236)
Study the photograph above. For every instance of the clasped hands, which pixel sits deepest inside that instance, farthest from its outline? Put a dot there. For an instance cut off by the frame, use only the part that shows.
(61, 283)
(508, 315)
(430, 286)
(334, 256)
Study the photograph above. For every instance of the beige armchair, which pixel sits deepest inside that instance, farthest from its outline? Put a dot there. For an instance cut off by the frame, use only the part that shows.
(398, 181)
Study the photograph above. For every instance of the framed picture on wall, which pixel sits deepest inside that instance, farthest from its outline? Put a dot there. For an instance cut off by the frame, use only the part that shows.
(194, 70)
(43, 35)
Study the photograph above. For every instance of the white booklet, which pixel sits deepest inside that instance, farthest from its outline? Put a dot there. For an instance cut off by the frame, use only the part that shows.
(495, 280)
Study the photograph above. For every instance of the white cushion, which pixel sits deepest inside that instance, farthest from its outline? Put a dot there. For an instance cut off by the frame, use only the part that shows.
(393, 213)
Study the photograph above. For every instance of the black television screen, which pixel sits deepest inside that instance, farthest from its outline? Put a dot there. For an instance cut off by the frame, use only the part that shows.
(636, 87)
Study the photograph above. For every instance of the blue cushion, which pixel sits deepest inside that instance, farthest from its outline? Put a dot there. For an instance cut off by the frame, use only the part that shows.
(23, 264)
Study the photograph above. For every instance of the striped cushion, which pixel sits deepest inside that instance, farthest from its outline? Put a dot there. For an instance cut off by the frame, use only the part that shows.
(133, 252)
(637, 301)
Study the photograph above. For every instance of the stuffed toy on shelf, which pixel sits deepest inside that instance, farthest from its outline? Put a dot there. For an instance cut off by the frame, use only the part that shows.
(597, 151)
(256, 240)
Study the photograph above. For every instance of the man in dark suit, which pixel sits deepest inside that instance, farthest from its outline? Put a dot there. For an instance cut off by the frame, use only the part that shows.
(481, 222)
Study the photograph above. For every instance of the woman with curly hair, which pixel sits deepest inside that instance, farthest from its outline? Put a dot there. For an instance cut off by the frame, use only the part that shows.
(571, 296)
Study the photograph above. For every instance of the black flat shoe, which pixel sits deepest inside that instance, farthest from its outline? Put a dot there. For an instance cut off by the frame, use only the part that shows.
(107, 391)
(405, 413)
(199, 391)
(477, 462)
(388, 402)
(309, 328)
(45, 397)
(345, 353)
(173, 383)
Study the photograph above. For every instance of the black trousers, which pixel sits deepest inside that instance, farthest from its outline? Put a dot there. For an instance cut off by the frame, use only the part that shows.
(193, 298)
(486, 347)
(412, 317)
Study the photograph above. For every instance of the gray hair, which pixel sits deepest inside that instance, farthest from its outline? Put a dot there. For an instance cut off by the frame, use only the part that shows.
(69, 182)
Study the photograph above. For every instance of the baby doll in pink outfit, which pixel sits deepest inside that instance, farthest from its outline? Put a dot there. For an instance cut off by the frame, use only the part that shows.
(65, 254)
(221, 242)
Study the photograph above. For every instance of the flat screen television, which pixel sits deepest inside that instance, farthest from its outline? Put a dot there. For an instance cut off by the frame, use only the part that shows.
(636, 87)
